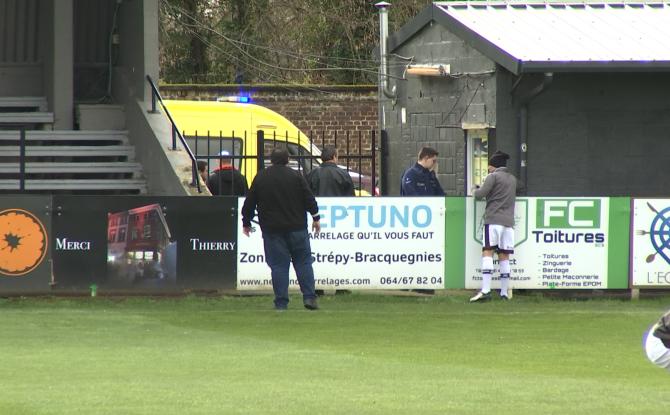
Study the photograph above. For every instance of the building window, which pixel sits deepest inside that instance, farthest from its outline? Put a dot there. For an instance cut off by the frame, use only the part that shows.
(122, 235)
(478, 157)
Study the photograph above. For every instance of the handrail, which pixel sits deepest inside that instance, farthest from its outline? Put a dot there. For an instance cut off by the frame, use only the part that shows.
(194, 164)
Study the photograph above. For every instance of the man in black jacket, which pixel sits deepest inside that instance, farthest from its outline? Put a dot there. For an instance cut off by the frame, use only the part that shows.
(226, 180)
(329, 179)
(282, 198)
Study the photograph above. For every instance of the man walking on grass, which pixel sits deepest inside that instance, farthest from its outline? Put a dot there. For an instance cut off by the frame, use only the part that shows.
(499, 190)
(283, 200)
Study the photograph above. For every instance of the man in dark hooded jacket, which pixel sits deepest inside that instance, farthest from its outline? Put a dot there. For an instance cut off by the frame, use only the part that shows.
(227, 180)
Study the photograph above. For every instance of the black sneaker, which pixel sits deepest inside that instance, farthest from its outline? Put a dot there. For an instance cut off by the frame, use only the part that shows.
(504, 297)
(311, 304)
(481, 297)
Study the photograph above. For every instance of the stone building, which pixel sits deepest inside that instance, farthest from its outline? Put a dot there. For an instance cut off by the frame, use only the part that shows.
(576, 93)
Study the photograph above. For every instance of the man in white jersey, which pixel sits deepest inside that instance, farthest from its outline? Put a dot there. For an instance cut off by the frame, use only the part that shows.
(499, 190)
(657, 342)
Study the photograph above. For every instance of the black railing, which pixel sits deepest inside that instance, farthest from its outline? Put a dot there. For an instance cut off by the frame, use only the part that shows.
(22, 159)
(155, 94)
(357, 152)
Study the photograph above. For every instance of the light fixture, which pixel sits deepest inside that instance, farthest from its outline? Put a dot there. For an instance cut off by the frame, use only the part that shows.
(428, 70)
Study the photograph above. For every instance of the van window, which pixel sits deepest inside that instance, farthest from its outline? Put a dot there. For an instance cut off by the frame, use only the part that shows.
(213, 146)
(299, 159)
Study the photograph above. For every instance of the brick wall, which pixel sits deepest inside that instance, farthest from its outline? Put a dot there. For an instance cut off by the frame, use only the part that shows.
(328, 114)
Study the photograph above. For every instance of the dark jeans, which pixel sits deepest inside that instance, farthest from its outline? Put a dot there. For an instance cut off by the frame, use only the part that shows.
(280, 250)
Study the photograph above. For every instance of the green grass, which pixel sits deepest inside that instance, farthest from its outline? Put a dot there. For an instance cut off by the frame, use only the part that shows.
(360, 354)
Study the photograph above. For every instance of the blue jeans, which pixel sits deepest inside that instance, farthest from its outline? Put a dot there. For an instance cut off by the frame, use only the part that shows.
(280, 250)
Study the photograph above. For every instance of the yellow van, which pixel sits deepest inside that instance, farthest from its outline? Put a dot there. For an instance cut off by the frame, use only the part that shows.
(211, 127)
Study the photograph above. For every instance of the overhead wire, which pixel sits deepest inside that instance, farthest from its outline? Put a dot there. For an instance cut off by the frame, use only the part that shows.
(261, 71)
(280, 51)
(237, 43)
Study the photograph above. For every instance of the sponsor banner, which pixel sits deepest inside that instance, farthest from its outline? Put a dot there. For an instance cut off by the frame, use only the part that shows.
(560, 243)
(365, 243)
(650, 242)
(25, 257)
(144, 243)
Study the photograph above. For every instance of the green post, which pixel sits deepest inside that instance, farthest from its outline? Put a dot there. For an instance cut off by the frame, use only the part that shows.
(454, 243)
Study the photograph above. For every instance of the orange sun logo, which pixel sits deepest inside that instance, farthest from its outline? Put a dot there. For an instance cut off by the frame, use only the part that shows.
(23, 242)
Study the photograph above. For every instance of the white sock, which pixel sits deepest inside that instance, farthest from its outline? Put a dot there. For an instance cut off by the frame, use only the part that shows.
(487, 271)
(504, 277)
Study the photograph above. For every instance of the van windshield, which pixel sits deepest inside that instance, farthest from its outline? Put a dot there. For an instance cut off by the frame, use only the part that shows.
(299, 159)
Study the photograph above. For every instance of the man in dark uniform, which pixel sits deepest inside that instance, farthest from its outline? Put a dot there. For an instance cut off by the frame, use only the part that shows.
(283, 200)
(420, 179)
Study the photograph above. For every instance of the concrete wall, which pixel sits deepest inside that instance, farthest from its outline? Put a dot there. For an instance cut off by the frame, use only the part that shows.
(138, 48)
(604, 134)
(436, 107)
(167, 172)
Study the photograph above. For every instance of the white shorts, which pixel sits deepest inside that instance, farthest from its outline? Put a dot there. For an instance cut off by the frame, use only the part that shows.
(498, 237)
(656, 351)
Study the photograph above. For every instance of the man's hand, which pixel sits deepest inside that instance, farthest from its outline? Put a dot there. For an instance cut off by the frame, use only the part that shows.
(316, 227)
(246, 230)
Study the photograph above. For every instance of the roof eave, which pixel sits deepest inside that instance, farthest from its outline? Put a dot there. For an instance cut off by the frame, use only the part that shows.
(483, 45)
(434, 13)
(410, 28)
(594, 66)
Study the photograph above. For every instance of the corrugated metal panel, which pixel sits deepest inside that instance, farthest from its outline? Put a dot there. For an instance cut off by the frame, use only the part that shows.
(570, 32)
(92, 26)
(18, 31)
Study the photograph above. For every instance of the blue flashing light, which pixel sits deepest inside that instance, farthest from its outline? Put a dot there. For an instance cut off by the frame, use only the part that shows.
(242, 99)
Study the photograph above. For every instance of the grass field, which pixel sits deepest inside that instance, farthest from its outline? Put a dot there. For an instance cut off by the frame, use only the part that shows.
(359, 354)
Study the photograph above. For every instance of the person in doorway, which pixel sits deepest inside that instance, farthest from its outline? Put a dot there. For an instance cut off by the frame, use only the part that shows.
(329, 179)
(656, 342)
(420, 179)
(283, 200)
(499, 190)
(226, 180)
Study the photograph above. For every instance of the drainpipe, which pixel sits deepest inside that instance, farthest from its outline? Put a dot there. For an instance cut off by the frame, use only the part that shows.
(384, 90)
(523, 126)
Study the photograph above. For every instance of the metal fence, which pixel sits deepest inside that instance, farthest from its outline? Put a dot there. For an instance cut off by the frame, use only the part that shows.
(359, 153)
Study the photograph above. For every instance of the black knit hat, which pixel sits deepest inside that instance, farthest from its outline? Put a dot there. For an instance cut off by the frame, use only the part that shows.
(499, 159)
